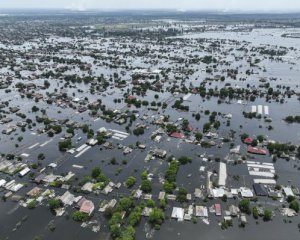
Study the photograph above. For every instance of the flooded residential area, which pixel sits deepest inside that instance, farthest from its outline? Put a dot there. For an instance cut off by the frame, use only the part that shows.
(122, 125)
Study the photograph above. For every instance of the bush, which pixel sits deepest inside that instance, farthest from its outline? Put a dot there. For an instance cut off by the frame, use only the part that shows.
(290, 198)
(255, 213)
(80, 216)
(32, 204)
(64, 145)
(294, 205)
(41, 156)
(244, 206)
(267, 215)
(138, 131)
(130, 181)
(54, 203)
(184, 160)
(96, 172)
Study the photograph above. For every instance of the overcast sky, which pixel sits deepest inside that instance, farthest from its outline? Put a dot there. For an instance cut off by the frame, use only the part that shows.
(225, 5)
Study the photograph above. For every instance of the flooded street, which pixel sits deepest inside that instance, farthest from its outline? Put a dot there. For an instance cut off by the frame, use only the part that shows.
(106, 122)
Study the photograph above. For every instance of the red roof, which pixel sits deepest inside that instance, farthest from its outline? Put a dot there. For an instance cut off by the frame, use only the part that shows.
(248, 140)
(87, 207)
(255, 150)
(218, 209)
(177, 135)
(189, 128)
(131, 97)
(194, 90)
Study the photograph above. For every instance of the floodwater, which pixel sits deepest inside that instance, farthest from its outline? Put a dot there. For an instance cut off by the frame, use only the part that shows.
(37, 220)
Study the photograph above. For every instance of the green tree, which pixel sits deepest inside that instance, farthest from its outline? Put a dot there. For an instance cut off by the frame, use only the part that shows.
(224, 198)
(255, 212)
(181, 195)
(125, 204)
(170, 128)
(64, 145)
(169, 187)
(185, 124)
(41, 156)
(54, 203)
(184, 160)
(128, 233)
(294, 205)
(135, 216)
(80, 216)
(130, 181)
(244, 206)
(96, 172)
(115, 231)
(206, 127)
(267, 215)
(146, 186)
(32, 204)
(198, 136)
(156, 216)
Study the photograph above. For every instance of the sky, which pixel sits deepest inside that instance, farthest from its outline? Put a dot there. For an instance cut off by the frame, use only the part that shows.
(224, 5)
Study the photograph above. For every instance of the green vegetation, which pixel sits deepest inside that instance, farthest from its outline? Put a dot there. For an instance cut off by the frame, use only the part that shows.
(255, 212)
(156, 217)
(249, 115)
(96, 172)
(226, 223)
(206, 127)
(294, 205)
(54, 203)
(170, 177)
(198, 136)
(32, 204)
(138, 131)
(130, 181)
(65, 145)
(171, 128)
(244, 206)
(184, 160)
(268, 215)
(178, 105)
(125, 204)
(181, 195)
(135, 216)
(80, 216)
(292, 119)
(185, 124)
(244, 136)
(278, 148)
(146, 186)
(41, 156)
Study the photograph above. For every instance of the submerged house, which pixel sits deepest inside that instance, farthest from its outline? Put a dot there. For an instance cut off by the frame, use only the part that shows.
(255, 150)
(260, 190)
(178, 213)
(87, 207)
(177, 135)
(160, 153)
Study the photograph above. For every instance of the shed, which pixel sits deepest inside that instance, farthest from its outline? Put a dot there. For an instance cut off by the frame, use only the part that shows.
(260, 190)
